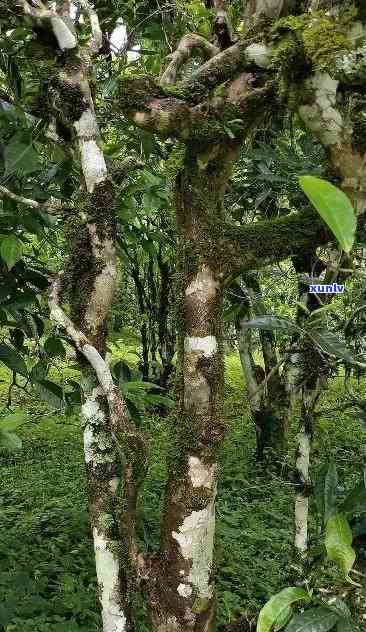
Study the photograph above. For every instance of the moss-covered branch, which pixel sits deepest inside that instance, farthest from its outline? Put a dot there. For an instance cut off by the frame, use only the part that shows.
(255, 245)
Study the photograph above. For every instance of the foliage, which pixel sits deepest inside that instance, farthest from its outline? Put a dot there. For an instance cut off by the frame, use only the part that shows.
(334, 207)
(48, 575)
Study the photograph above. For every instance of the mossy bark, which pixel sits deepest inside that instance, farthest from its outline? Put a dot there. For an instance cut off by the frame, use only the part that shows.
(185, 595)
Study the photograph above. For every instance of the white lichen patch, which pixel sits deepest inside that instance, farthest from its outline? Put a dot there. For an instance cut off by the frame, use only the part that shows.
(321, 117)
(196, 540)
(63, 32)
(197, 391)
(113, 484)
(184, 590)
(204, 283)
(96, 440)
(259, 54)
(107, 567)
(301, 523)
(201, 475)
(93, 164)
(303, 455)
(92, 158)
(207, 345)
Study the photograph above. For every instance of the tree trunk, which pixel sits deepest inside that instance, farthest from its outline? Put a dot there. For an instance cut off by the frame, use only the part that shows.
(185, 600)
(89, 286)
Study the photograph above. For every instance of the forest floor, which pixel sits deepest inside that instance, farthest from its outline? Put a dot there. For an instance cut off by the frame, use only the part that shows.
(47, 576)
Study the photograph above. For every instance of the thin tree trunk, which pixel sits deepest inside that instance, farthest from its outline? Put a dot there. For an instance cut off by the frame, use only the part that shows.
(90, 286)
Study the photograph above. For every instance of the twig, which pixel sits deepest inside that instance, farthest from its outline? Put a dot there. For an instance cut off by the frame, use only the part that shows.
(49, 207)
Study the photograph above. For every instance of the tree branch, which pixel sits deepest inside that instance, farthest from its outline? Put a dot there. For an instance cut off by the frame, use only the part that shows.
(49, 207)
(240, 57)
(62, 26)
(255, 245)
(127, 439)
(188, 45)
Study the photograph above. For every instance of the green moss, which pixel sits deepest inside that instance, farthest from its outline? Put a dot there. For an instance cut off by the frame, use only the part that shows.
(106, 521)
(68, 100)
(323, 40)
(81, 269)
(201, 604)
(317, 36)
(133, 93)
(100, 208)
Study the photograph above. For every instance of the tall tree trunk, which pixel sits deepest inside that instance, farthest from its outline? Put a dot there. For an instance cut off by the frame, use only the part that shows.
(89, 285)
(186, 596)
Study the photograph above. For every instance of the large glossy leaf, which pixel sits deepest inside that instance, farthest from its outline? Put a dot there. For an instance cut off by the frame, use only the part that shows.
(338, 543)
(20, 158)
(340, 607)
(11, 250)
(39, 372)
(346, 625)
(334, 207)
(271, 322)
(54, 347)
(313, 620)
(51, 393)
(278, 605)
(332, 344)
(12, 359)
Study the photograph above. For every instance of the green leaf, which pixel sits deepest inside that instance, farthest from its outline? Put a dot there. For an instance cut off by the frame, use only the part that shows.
(284, 617)
(231, 314)
(11, 250)
(313, 620)
(10, 441)
(12, 359)
(38, 372)
(340, 607)
(21, 158)
(122, 372)
(54, 347)
(278, 605)
(338, 543)
(160, 400)
(272, 322)
(12, 422)
(334, 207)
(51, 393)
(345, 625)
(332, 344)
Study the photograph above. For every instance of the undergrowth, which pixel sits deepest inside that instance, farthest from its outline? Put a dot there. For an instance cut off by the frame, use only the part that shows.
(47, 575)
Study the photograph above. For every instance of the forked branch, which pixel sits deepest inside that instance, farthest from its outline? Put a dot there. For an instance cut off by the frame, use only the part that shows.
(188, 45)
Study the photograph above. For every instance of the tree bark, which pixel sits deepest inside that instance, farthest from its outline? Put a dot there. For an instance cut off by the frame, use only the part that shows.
(186, 595)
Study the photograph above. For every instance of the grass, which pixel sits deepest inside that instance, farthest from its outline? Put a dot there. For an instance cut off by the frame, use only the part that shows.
(47, 576)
